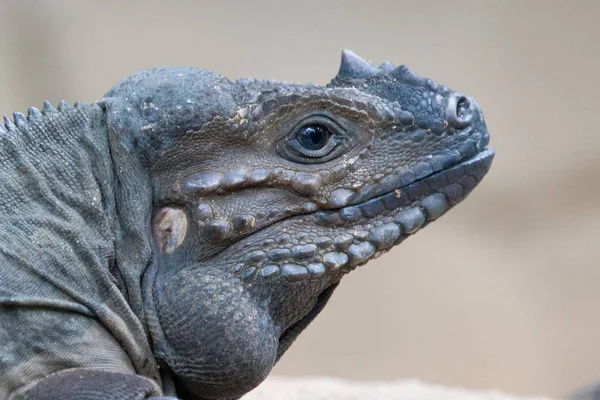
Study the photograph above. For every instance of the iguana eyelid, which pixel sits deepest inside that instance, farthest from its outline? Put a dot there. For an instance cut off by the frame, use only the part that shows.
(332, 143)
(339, 141)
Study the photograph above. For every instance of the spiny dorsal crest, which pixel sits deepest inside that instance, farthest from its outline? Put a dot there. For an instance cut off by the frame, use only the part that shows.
(34, 115)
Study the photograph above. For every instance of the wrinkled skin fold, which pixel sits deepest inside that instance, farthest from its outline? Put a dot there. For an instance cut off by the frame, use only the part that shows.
(239, 206)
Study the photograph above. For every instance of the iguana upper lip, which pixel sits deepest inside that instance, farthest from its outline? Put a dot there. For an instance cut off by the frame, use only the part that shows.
(480, 157)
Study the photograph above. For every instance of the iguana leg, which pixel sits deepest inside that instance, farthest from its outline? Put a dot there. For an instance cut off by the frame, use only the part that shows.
(90, 384)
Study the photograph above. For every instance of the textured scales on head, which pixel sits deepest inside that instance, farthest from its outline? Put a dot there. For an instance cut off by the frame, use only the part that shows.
(265, 194)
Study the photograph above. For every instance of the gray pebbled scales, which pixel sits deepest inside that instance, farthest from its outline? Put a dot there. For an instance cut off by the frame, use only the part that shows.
(175, 237)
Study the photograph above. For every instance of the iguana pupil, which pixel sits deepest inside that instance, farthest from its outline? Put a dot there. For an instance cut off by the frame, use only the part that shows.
(313, 137)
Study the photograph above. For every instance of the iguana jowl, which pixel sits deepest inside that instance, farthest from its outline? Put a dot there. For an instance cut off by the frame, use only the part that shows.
(176, 236)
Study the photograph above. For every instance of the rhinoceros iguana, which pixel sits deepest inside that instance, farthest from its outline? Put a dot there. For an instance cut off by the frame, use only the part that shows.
(175, 237)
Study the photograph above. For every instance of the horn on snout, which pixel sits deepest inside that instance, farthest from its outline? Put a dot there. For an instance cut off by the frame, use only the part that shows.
(355, 67)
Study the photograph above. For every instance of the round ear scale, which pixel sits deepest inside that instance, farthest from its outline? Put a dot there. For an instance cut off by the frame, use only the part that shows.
(355, 67)
(170, 229)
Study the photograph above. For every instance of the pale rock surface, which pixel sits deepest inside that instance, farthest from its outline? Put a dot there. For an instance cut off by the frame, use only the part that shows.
(322, 388)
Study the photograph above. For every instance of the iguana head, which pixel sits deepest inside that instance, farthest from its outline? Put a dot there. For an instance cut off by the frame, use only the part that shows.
(267, 193)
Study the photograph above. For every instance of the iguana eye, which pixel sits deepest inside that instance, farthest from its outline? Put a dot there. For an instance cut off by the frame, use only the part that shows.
(314, 140)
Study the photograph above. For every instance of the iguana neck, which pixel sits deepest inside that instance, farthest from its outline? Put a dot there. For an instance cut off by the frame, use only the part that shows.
(59, 222)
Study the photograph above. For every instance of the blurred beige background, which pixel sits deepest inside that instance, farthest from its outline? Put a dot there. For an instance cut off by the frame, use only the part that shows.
(504, 291)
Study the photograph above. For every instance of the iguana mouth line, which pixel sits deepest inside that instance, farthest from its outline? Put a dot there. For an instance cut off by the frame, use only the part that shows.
(367, 208)
(480, 156)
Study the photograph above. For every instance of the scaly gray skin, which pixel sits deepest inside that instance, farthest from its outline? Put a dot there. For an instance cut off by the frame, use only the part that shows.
(177, 236)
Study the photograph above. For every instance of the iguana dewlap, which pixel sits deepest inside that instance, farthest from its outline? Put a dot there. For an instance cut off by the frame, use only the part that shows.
(176, 236)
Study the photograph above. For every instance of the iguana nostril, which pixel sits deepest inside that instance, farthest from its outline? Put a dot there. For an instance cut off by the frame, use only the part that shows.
(462, 106)
(459, 110)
